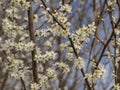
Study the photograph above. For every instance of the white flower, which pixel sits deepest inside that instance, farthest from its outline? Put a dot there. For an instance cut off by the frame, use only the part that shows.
(69, 56)
(110, 3)
(100, 72)
(45, 57)
(66, 7)
(9, 12)
(22, 46)
(8, 45)
(83, 34)
(51, 73)
(90, 77)
(110, 55)
(34, 86)
(43, 81)
(66, 46)
(35, 17)
(45, 33)
(62, 66)
(92, 27)
(117, 31)
(29, 46)
(24, 4)
(79, 63)
(117, 87)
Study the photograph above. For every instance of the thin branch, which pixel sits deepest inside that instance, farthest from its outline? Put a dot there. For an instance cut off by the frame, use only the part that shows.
(94, 5)
(32, 38)
(23, 83)
(42, 24)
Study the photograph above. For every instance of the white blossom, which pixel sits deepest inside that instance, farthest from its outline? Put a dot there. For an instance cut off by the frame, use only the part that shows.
(79, 63)
(51, 73)
(62, 66)
(34, 86)
(117, 87)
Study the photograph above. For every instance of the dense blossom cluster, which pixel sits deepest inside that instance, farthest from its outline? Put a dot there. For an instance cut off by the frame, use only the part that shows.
(51, 73)
(98, 73)
(45, 57)
(82, 35)
(24, 4)
(62, 66)
(11, 29)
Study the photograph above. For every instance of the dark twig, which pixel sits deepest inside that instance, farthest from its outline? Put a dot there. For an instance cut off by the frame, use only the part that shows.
(23, 83)
(32, 38)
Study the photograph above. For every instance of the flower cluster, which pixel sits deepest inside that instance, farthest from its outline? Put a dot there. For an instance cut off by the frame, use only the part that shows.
(79, 63)
(65, 46)
(118, 41)
(55, 30)
(16, 67)
(66, 7)
(58, 31)
(43, 81)
(11, 11)
(11, 29)
(51, 73)
(22, 46)
(45, 57)
(98, 73)
(24, 4)
(62, 25)
(8, 45)
(46, 32)
(62, 66)
(110, 55)
(82, 35)
(117, 31)
(69, 56)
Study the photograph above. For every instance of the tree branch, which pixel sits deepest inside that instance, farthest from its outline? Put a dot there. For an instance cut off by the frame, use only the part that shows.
(32, 38)
(23, 83)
